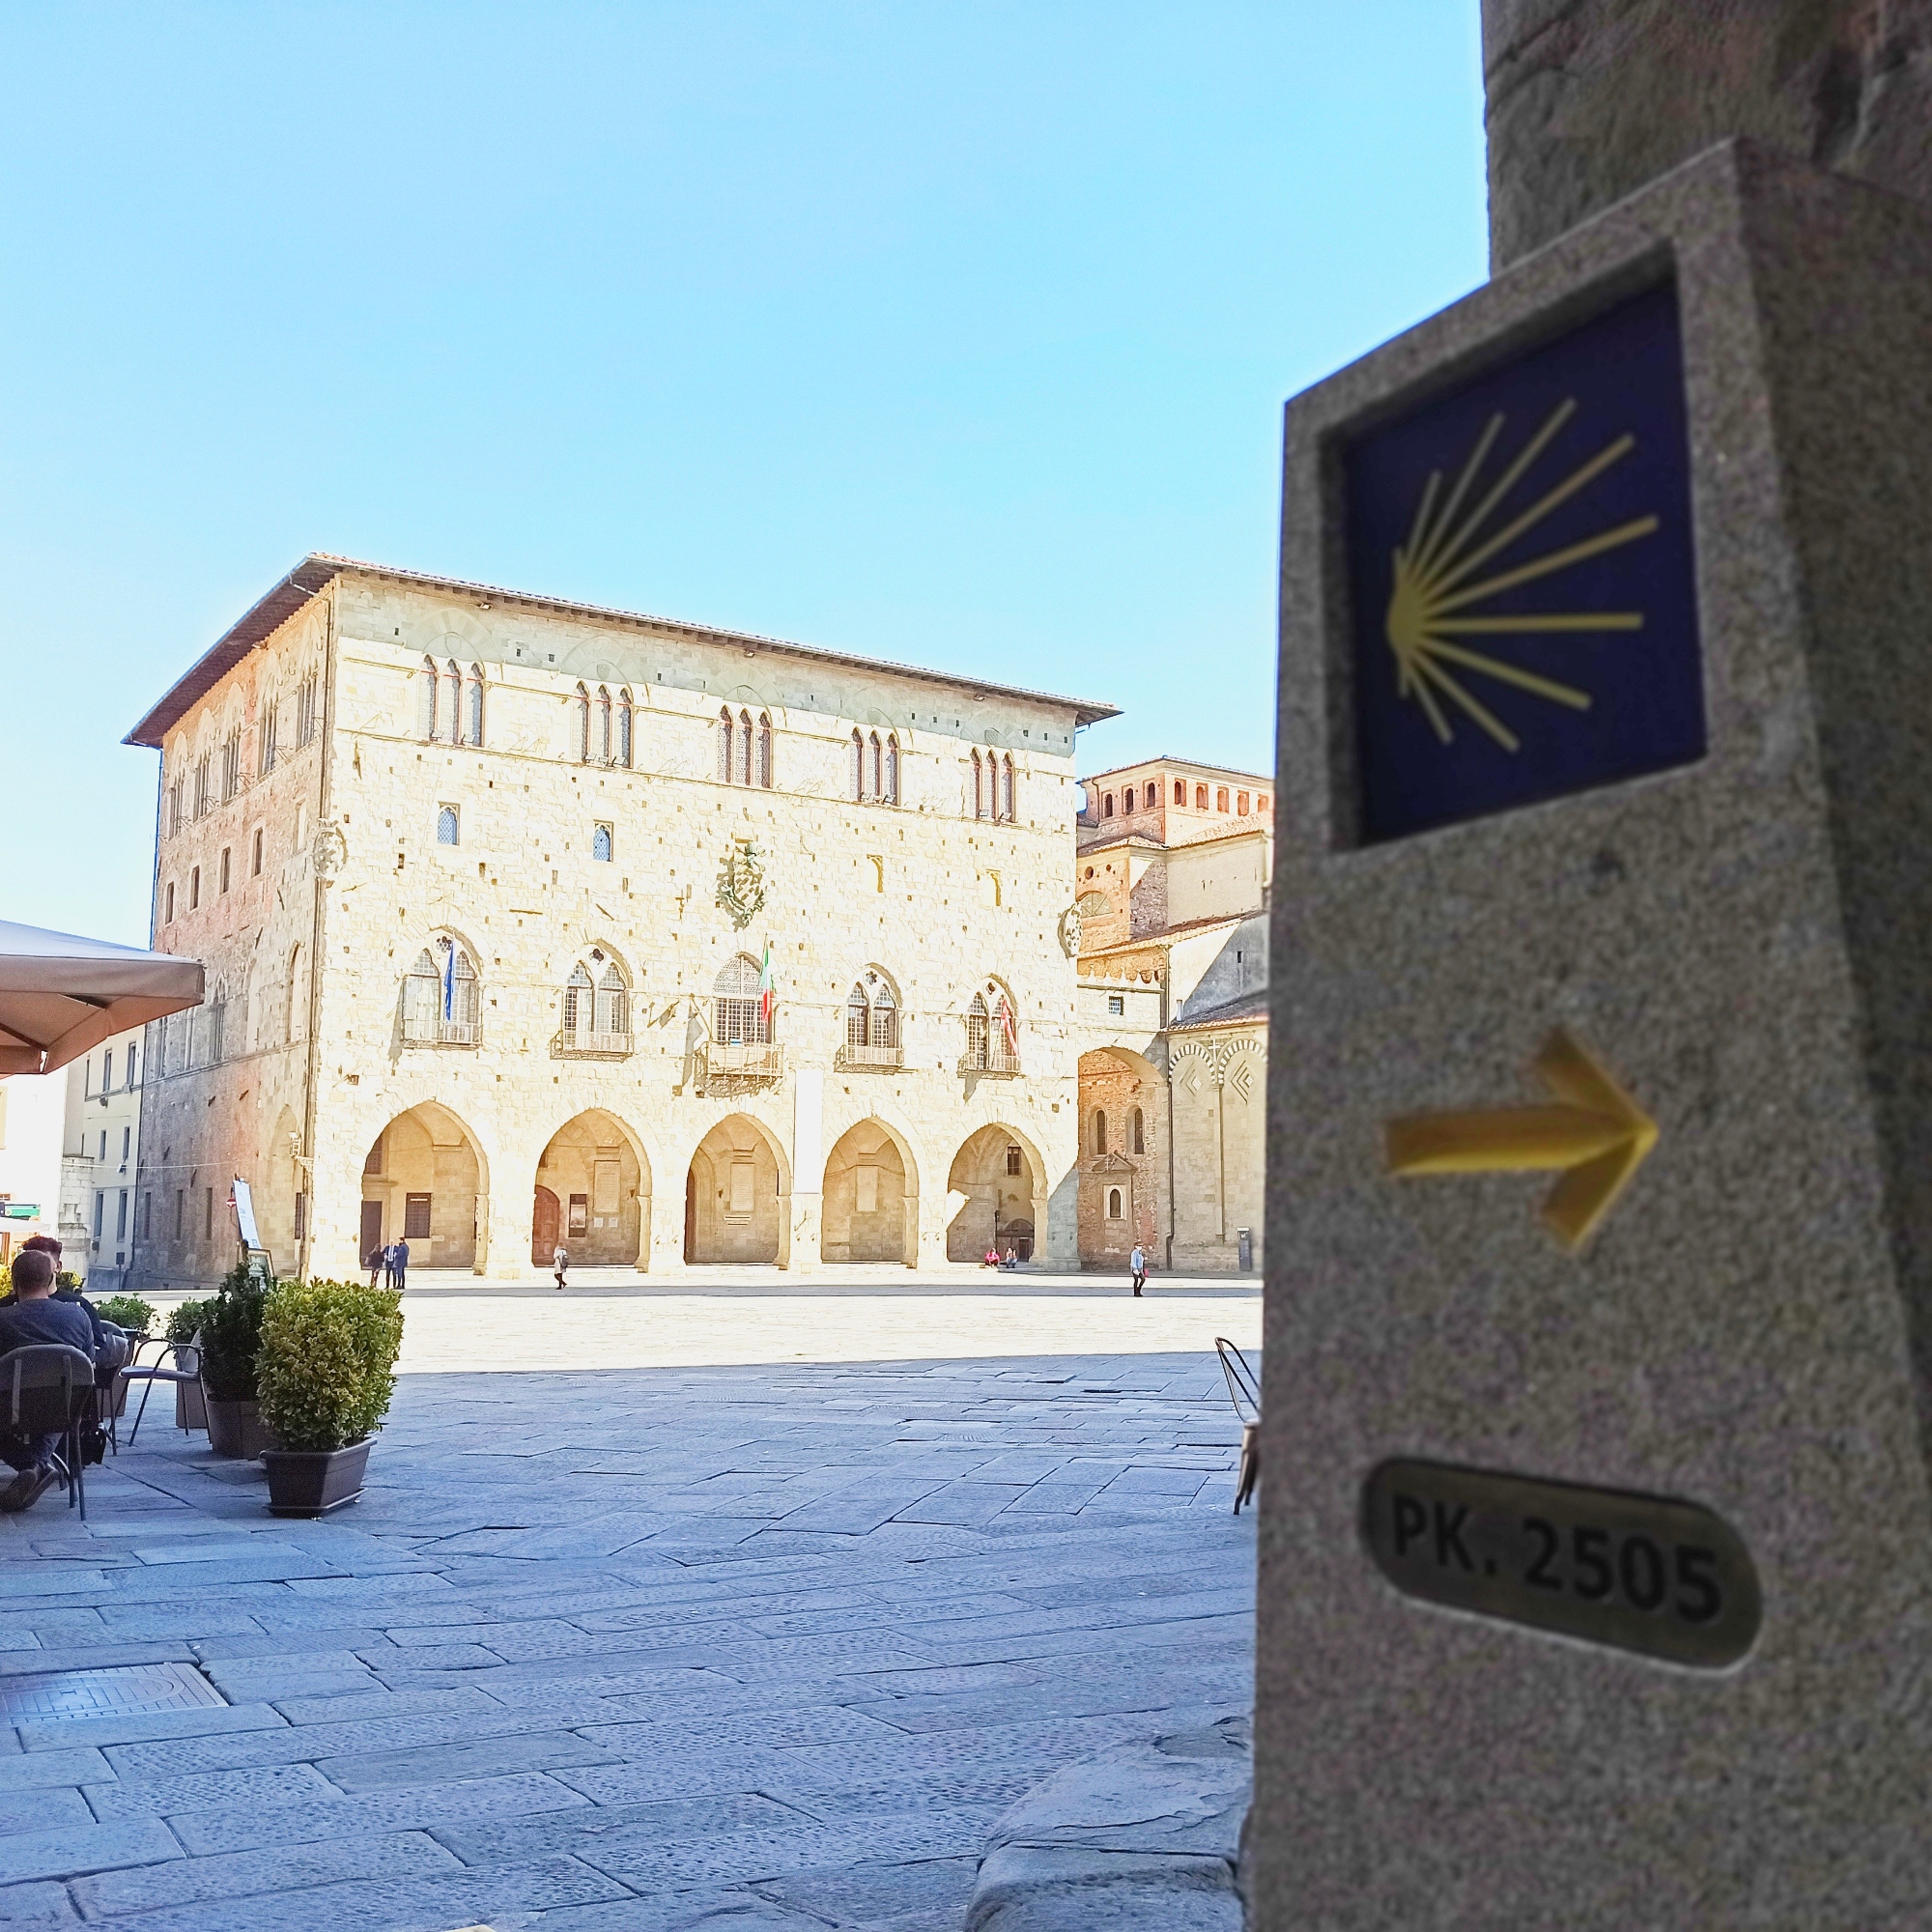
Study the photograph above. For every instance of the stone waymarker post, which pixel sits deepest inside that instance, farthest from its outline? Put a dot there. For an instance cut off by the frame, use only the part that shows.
(1595, 1545)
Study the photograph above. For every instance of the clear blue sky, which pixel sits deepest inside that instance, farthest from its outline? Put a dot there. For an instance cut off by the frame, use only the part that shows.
(958, 334)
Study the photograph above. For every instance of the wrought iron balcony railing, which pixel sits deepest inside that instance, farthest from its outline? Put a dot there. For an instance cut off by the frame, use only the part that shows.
(870, 1059)
(582, 1043)
(750, 1062)
(994, 1060)
(440, 1032)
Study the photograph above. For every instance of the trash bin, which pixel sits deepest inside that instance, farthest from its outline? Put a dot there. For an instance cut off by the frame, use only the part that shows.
(1244, 1241)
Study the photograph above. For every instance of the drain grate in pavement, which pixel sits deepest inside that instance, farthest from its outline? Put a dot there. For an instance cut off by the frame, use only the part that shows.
(96, 1694)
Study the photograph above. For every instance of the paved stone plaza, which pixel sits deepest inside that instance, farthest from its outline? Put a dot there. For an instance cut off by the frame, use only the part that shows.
(740, 1603)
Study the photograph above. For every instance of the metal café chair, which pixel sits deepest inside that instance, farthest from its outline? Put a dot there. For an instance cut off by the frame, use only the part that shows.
(118, 1351)
(186, 1369)
(1244, 1391)
(49, 1391)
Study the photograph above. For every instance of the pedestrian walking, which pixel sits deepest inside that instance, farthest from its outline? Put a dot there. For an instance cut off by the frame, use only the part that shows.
(376, 1261)
(399, 1265)
(560, 1262)
(1137, 1263)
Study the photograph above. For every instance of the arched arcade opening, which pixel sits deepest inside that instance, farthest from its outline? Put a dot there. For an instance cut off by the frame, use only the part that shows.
(996, 1197)
(870, 1210)
(732, 1205)
(423, 1183)
(593, 1194)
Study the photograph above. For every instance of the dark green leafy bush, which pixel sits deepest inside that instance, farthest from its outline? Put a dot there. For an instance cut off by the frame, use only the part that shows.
(125, 1311)
(327, 1367)
(185, 1319)
(231, 1334)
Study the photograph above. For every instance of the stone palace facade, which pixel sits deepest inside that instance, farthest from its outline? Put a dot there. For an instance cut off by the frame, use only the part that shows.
(526, 922)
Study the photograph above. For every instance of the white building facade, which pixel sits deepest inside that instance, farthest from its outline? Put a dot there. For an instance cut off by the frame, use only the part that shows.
(100, 1157)
(526, 923)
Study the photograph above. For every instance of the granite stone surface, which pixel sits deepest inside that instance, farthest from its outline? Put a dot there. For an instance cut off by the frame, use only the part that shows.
(1746, 942)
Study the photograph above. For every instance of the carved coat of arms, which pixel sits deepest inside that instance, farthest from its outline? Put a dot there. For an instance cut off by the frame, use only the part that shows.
(741, 882)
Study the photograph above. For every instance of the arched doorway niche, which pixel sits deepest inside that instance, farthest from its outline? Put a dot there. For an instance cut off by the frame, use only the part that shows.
(732, 1209)
(995, 1196)
(593, 1192)
(870, 1210)
(424, 1181)
(278, 1178)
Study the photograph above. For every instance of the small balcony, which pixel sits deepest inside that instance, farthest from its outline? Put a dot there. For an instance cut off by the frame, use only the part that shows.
(993, 1059)
(581, 1043)
(441, 1033)
(869, 1059)
(741, 1064)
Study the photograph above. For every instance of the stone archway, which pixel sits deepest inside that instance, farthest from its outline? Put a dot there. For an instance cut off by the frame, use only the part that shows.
(425, 1172)
(733, 1210)
(598, 1182)
(871, 1200)
(1122, 1156)
(995, 1196)
(277, 1181)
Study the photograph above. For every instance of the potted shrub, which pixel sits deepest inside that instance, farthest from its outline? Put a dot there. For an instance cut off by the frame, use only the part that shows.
(184, 1324)
(231, 1334)
(325, 1372)
(127, 1310)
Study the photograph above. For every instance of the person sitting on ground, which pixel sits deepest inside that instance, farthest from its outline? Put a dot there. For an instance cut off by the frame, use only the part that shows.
(992, 1260)
(36, 1318)
(1011, 1259)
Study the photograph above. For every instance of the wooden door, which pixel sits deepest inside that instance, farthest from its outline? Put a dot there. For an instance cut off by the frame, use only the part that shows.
(372, 1229)
(545, 1220)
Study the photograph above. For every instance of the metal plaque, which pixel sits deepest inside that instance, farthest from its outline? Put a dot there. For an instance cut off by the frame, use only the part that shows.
(1638, 1572)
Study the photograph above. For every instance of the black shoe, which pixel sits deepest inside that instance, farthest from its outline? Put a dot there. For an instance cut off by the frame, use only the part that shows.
(26, 1489)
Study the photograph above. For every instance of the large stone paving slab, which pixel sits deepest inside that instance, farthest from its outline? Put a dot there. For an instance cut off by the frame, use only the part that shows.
(759, 1645)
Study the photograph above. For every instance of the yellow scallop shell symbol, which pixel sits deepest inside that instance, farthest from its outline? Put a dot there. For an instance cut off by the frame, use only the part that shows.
(1431, 572)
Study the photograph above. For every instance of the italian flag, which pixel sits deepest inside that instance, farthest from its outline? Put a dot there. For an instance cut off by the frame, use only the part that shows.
(768, 987)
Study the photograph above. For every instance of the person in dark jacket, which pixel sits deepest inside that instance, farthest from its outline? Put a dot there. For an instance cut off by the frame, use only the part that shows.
(35, 1317)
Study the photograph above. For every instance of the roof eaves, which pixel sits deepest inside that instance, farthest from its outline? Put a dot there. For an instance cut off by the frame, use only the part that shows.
(281, 603)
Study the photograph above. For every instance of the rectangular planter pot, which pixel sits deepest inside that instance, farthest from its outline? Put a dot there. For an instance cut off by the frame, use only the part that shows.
(309, 1482)
(236, 1429)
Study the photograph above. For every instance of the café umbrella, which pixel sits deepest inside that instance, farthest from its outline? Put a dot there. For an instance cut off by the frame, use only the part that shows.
(61, 995)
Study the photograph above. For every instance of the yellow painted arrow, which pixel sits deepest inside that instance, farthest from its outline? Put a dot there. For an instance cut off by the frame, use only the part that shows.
(1596, 1138)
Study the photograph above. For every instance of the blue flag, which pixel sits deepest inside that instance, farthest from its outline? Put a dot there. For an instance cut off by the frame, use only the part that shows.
(449, 984)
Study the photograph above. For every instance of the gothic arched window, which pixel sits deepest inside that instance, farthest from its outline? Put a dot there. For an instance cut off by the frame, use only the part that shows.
(624, 728)
(453, 681)
(1179, 792)
(885, 1016)
(1114, 1212)
(579, 998)
(600, 844)
(428, 685)
(858, 1017)
(858, 763)
(1100, 1133)
(448, 828)
(875, 770)
(724, 736)
(473, 714)
(890, 791)
(977, 1031)
(602, 725)
(1006, 789)
(765, 749)
(582, 725)
(738, 1014)
(1137, 1132)
(744, 748)
(613, 1002)
(442, 997)
(1107, 805)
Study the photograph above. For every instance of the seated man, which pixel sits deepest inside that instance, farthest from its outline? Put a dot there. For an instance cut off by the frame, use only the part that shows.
(35, 1317)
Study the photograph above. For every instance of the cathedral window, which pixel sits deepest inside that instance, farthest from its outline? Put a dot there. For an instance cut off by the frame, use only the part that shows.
(992, 1032)
(872, 1019)
(472, 729)
(448, 826)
